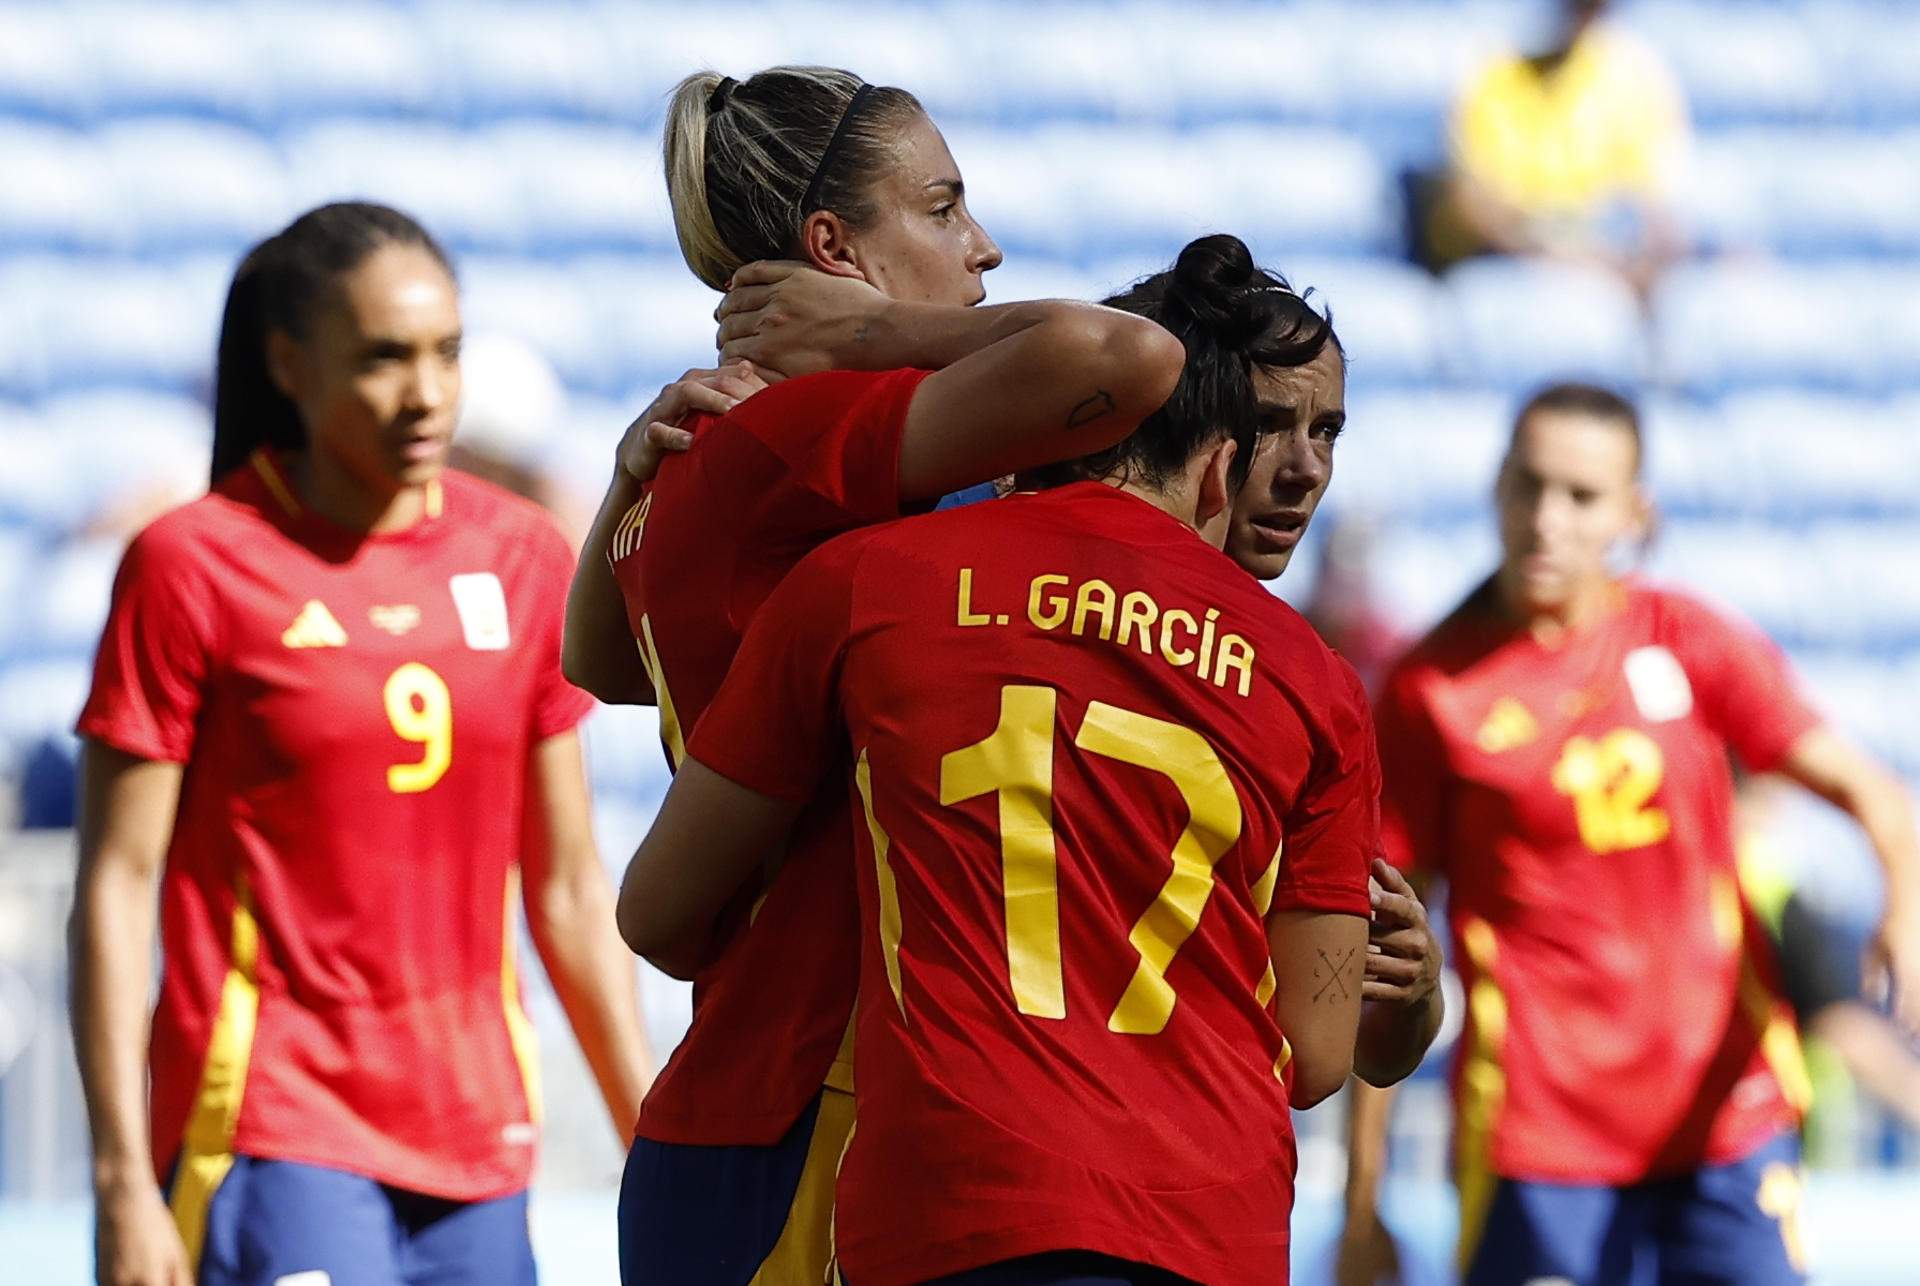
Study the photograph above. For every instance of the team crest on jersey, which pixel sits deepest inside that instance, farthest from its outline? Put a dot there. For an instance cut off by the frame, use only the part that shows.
(482, 606)
(314, 627)
(395, 618)
(1508, 725)
(1659, 685)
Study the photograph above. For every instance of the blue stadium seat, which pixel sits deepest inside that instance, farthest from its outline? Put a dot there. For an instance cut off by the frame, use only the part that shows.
(1525, 321)
(651, 314)
(41, 695)
(1417, 74)
(66, 604)
(1856, 457)
(1420, 457)
(190, 184)
(532, 60)
(45, 69)
(1739, 62)
(131, 447)
(58, 193)
(1809, 193)
(443, 176)
(115, 321)
(19, 554)
(1389, 316)
(583, 186)
(39, 487)
(549, 306)
(176, 57)
(1076, 191)
(1685, 465)
(1840, 326)
(1876, 47)
(1424, 571)
(351, 56)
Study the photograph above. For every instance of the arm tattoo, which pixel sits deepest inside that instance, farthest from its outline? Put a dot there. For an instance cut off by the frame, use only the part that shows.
(1093, 408)
(1333, 969)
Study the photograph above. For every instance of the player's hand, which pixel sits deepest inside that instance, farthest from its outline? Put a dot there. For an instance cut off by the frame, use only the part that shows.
(656, 430)
(135, 1241)
(1403, 957)
(1893, 962)
(1367, 1255)
(787, 317)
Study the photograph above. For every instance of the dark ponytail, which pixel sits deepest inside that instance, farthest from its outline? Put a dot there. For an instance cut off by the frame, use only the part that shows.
(1232, 316)
(276, 287)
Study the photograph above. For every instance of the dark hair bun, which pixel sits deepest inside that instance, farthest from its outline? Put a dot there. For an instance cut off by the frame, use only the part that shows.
(1215, 282)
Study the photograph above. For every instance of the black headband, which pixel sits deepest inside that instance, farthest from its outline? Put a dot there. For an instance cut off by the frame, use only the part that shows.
(811, 201)
(718, 98)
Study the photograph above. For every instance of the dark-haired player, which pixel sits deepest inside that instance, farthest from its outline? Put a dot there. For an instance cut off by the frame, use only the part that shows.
(328, 719)
(1115, 812)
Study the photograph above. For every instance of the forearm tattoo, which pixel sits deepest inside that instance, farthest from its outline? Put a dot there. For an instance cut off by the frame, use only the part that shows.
(1332, 975)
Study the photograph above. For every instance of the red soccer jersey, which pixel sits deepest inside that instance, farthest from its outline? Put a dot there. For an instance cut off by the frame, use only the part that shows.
(719, 528)
(1079, 737)
(1623, 1017)
(356, 714)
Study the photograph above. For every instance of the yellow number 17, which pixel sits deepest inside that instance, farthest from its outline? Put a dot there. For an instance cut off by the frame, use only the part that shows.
(1015, 763)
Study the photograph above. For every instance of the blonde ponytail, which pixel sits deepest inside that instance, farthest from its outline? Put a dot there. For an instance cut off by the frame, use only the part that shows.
(739, 169)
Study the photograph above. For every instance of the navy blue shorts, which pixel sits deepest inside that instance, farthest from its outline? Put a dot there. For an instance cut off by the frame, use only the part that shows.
(1724, 1225)
(1064, 1268)
(727, 1216)
(281, 1222)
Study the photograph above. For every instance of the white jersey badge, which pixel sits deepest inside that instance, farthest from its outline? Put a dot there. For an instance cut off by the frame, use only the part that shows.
(1659, 685)
(482, 606)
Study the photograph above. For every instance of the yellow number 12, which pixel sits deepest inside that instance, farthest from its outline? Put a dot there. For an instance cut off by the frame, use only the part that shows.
(1016, 764)
(420, 709)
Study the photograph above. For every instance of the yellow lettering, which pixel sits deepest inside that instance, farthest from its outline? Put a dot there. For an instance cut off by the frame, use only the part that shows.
(1094, 596)
(1055, 613)
(967, 615)
(1177, 655)
(1206, 640)
(1235, 654)
(1137, 610)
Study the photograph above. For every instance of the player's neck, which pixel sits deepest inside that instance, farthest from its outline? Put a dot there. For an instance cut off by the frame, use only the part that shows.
(328, 489)
(1551, 622)
(1178, 506)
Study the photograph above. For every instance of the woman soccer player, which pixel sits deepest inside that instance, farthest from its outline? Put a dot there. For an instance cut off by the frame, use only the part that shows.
(1557, 751)
(328, 718)
(732, 1172)
(1117, 805)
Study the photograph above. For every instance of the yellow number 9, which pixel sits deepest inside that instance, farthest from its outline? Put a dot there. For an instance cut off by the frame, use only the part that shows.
(420, 709)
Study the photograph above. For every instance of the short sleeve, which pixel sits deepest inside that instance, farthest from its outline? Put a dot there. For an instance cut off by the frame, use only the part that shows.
(156, 652)
(558, 706)
(1413, 832)
(1333, 829)
(838, 434)
(773, 724)
(1741, 682)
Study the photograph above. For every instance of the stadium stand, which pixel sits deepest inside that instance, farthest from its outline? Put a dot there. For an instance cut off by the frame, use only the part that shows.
(147, 144)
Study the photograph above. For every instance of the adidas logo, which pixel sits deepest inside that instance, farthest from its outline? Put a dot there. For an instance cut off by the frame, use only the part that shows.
(1509, 724)
(314, 627)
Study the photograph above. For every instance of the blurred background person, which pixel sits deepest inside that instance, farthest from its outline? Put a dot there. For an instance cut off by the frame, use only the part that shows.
(513, 410)
(1629, 1086)
(1573, 151)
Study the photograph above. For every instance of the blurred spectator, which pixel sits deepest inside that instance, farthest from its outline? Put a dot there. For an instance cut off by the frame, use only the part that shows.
(1848, 1042)
(1345, 605)
(512, 406)
(1570, 152)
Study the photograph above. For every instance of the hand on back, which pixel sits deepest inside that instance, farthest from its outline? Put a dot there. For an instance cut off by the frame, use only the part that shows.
(656, 430)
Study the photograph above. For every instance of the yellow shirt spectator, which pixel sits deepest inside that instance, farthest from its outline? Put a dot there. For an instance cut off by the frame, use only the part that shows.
(1606, 124)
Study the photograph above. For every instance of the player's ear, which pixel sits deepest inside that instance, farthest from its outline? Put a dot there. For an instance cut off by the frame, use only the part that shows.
(1213, 494)
(827, 244)
(285, 364)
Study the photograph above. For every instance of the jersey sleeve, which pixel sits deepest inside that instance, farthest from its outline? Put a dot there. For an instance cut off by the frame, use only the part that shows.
(155, 653)
(1413, 834)
(839, 435)
(772, 726)
(1333, 830)
(558, 706)
(1744, 687)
